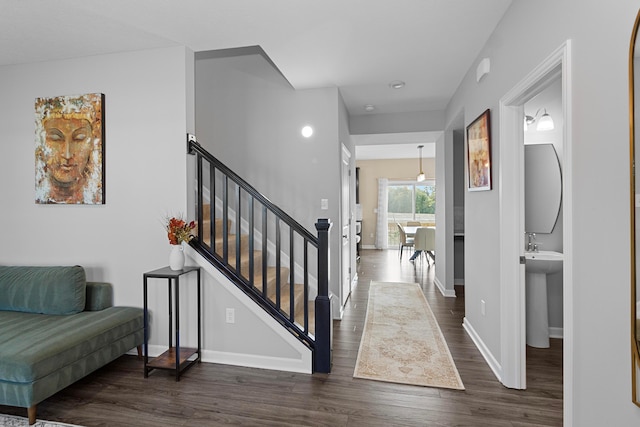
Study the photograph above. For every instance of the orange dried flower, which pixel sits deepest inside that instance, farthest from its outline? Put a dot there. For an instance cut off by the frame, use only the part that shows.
(178, 230)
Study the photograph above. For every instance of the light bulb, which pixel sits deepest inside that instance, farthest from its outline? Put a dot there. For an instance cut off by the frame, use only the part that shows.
(307, 131)
(545, 123)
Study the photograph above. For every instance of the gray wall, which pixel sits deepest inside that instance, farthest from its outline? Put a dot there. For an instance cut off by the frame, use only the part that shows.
(249, 117)
(146, 102)
(459, 190)
(600, 361)
(444, 213)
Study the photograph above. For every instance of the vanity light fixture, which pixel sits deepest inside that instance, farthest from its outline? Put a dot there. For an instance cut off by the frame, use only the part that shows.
(545, 122)
(420, 176)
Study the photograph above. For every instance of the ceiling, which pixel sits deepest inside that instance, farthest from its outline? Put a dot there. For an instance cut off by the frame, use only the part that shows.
(359, 46)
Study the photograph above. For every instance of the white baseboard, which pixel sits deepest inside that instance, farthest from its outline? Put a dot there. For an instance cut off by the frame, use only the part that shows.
(556, 333)
(246, 360)
(443, 291)
(255, 361)
(484, 350)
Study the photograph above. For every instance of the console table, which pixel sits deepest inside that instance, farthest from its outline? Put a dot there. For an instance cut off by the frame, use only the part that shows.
(176, 358)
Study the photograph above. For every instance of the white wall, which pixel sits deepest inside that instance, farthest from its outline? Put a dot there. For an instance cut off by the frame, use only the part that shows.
(600, 34)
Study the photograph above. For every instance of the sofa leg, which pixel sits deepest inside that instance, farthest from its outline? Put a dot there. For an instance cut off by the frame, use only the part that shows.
(31, 411)
(139, 352)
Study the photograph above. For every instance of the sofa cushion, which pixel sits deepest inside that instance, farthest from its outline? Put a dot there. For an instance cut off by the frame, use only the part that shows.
(99, 296)
(36, 345)
(45, 290)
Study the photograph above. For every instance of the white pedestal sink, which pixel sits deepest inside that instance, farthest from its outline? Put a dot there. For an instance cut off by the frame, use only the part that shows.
(537, 266)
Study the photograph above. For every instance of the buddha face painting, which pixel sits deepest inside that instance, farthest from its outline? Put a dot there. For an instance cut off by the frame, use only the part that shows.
(69, 150)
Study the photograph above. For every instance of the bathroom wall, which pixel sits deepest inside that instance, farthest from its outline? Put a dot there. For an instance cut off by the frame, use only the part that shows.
(551, 100)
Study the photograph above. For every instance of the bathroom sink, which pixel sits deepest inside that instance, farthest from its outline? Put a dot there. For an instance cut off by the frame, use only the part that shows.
(543, 262)
(537, 266)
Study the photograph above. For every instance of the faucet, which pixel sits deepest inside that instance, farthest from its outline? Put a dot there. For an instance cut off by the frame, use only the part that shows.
(530, 245)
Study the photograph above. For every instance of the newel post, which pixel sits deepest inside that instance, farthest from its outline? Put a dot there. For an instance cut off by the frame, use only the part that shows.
(322, 355)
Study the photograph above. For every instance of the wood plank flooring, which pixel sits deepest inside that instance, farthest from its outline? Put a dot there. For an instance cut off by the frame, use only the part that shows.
(211, 394)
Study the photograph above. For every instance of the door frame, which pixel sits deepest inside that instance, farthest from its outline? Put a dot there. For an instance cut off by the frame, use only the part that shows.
(511, 196)
(345, 211)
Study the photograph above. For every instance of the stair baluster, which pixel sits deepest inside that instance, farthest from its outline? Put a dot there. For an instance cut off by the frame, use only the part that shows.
(243, 257)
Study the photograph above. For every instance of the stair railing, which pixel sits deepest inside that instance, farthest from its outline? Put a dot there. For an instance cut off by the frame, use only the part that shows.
(233, 201)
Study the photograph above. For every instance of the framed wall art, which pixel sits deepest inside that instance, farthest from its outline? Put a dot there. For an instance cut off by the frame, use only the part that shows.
(69, 153)
(479, 153)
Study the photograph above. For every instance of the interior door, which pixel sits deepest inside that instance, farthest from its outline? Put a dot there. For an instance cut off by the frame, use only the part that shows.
(346, 226)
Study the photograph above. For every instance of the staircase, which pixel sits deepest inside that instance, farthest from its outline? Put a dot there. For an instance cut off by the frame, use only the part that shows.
(265, 253)
(264, 281)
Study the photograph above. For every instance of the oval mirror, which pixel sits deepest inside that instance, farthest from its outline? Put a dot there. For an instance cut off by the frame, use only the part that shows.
(634, 92)
(542, 188)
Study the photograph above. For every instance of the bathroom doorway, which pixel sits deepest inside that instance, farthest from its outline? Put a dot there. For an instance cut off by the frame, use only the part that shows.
(543, 214)
(512, 231)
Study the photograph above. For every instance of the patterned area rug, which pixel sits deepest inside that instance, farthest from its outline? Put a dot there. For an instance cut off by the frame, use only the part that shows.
(13, 421)
(402, 342)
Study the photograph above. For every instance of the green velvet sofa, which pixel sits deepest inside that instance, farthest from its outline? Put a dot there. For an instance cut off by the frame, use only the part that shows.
(55, 328)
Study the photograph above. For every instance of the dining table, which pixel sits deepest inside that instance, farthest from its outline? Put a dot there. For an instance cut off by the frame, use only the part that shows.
(410, 230)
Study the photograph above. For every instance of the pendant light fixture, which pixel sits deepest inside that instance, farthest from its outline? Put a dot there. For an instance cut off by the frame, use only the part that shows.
(421, 176)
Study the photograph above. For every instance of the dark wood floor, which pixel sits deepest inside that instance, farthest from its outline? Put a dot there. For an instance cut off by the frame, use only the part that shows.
(211, 394)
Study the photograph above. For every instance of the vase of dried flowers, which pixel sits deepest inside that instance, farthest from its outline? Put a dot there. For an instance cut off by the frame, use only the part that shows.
(178, 231)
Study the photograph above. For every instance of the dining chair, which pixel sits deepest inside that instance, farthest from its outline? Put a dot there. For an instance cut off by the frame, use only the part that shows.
(425, 241)
(405, 242)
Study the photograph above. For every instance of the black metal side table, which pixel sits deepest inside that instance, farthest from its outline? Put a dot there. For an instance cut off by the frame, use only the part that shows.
(176, 358)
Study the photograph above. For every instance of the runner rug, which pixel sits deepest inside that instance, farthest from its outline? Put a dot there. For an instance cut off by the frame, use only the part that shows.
(13, 421)
(402, 342)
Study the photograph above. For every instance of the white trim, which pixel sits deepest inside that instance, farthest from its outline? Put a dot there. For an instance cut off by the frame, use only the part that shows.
(256, 361)
(512, 330)
(512, 325)
(443, 290)
(345, 159)
(245, 360)
(483, 348)
(556, 333)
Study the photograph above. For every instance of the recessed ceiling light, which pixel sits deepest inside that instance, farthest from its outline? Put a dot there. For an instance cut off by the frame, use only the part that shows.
(396, 84)
(369, 107)
(307, 131)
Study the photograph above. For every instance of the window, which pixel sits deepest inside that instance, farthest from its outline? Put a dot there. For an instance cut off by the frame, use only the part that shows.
(410, 201)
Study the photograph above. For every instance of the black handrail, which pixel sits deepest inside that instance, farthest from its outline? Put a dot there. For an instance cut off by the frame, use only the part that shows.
(283, 311)
(195, 147)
